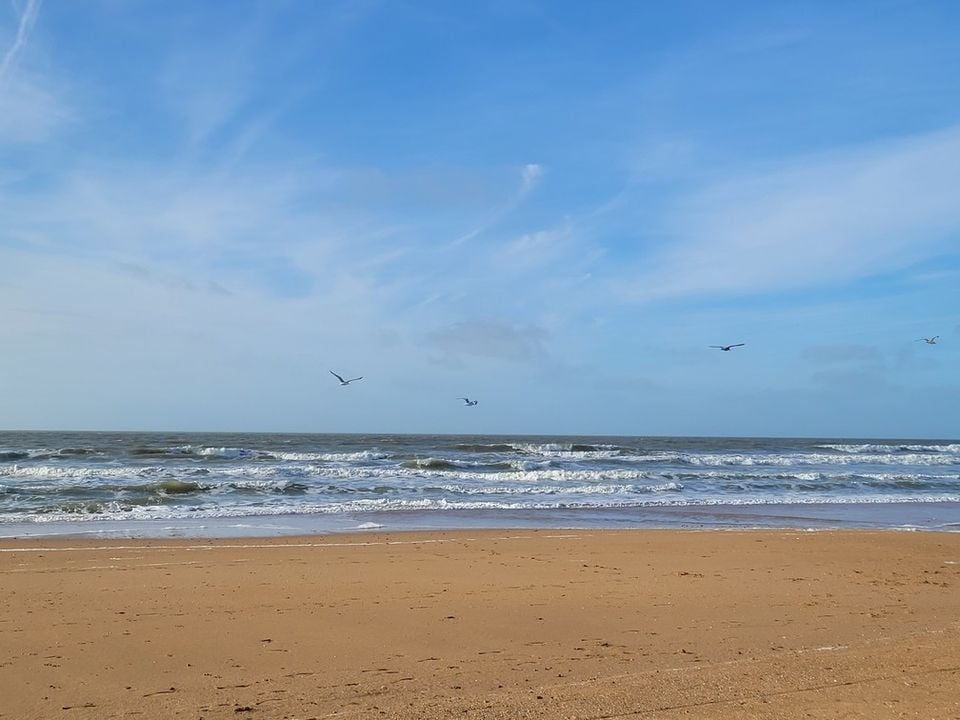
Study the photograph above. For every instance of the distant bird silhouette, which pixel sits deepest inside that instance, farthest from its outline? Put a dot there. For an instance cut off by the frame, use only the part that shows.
(345, 382)
(930, 340)
(468, 402)
(727, 348)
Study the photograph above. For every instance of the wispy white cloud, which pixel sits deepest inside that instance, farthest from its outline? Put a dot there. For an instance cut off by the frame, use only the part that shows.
(27, 19)
(816, 220)
(204, 88)
(530, 176)
(30, 111)
(30, 106)
(535, 249)
(135, 207)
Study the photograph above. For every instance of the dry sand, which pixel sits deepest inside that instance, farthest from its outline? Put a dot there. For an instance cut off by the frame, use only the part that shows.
(549, 624)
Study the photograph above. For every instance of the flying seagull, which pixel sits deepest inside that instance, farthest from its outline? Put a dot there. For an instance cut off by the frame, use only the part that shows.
(345, 382)
(727, 348)
(468, 402)
(930, 340)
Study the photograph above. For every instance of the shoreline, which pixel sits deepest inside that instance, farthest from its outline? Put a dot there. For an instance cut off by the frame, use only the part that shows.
(913, 516)
(485, 624)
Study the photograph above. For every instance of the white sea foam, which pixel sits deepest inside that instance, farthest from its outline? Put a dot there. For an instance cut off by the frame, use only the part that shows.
(266, 475)
(78, 474)
(221, 452)
(177, 477)
(948, 448)
(466, 490)
(571, 450)
(333, 457)
(800, 459)
(116, 511)
(883, 448)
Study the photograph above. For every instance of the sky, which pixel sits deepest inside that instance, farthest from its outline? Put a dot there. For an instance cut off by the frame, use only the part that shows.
(553, 207)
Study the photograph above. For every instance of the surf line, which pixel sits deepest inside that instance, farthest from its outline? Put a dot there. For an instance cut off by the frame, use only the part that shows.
(280, 546)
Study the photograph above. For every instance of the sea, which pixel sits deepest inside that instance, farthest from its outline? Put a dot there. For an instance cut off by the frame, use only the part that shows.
(221, 485)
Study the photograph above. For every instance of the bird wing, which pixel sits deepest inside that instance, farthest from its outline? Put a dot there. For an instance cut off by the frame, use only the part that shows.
(738, 345)
(355, 379)
(336, 376)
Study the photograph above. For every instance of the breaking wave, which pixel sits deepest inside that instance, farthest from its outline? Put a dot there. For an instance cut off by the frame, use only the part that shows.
(87, 476)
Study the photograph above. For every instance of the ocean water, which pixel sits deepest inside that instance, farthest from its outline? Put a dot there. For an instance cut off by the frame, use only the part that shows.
(158, 484)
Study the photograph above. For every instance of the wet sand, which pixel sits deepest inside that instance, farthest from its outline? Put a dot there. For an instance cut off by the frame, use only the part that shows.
(484, 624)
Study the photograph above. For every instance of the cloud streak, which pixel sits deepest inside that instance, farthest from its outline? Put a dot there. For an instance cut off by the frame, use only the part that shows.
(27, 19)
(530, 176)
(839, 216)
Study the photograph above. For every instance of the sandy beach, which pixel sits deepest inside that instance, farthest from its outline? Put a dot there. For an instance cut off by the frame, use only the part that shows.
(484, 624)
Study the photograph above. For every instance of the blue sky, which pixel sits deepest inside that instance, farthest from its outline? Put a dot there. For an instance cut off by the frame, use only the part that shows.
(554, 207)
